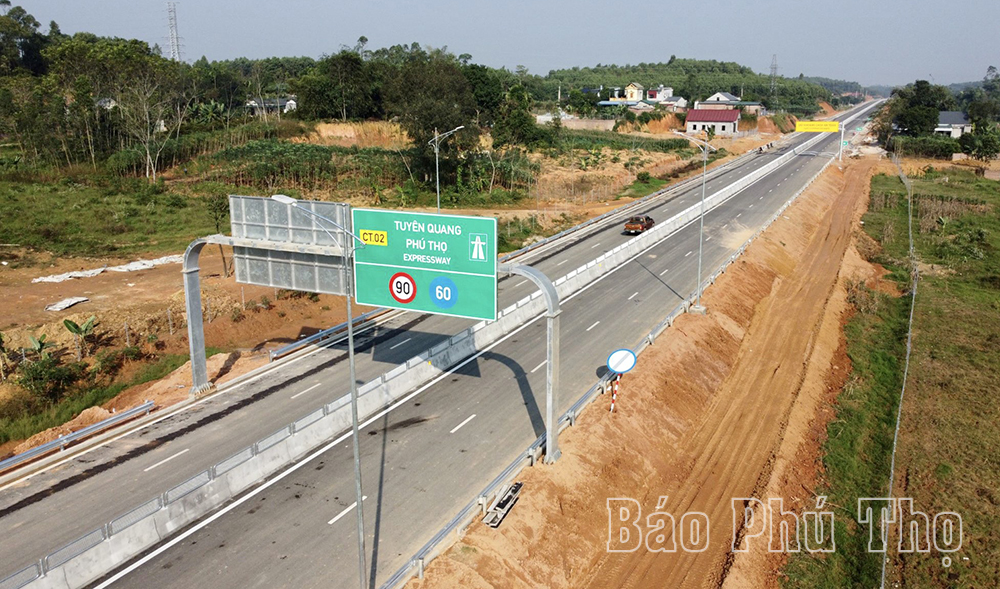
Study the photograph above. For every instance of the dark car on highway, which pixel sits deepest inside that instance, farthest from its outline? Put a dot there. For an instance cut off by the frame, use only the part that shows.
(638, 224)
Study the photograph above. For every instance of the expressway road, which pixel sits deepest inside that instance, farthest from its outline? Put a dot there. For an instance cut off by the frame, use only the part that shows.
(423, 460)
(429, 456)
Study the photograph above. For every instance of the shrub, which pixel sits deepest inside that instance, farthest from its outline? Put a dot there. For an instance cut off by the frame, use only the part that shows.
(643, 177)
(48, 380)
(928, 146)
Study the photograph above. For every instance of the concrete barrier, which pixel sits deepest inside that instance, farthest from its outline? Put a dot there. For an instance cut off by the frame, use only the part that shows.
(194, 499)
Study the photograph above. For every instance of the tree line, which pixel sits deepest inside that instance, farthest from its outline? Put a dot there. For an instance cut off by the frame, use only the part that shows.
(908, 120)
(118, 105)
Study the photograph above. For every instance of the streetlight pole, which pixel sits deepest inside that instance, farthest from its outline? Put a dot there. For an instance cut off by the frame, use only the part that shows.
(349, 251)
(436, 142)
(704, 146)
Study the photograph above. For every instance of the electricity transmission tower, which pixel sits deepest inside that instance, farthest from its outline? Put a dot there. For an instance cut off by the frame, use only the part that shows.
(774, 74)
(175, 41)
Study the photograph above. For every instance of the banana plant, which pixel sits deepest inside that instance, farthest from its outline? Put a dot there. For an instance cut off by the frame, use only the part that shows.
(38, 346)
(80, 334)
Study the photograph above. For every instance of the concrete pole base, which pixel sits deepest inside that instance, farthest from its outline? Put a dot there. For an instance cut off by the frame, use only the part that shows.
(551, 458)
(698, 310)
(197, 391)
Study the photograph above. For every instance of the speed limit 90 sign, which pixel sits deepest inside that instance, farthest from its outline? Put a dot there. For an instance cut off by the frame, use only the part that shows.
(402, 287)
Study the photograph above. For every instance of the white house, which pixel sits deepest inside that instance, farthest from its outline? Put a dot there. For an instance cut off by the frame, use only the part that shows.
(953, 123)
(722, 97)
(659, 94)
(674, 103)
(724, 122)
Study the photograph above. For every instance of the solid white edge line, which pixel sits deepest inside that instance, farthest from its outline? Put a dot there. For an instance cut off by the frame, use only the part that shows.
(297, 395)
(158, 420)
(369, 421)
(347, 510)
(253, 379)
(295, 467)
(535, 369)
(459, 426)
(165, 460)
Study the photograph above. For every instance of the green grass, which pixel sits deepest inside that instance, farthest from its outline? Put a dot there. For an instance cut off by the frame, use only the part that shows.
(21, 427)
(948, 439)
(513, 234)
(587, 140)
(70, 219)
(640, 189)
(858, 446)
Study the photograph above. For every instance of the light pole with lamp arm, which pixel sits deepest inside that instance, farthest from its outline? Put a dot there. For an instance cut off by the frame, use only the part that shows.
(704, 146)
(436, 142)
(349, 253)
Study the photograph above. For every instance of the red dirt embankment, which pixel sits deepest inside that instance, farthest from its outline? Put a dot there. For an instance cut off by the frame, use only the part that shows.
(733, 404)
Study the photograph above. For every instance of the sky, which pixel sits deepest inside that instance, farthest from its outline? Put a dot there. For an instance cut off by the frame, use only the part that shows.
(869, 41)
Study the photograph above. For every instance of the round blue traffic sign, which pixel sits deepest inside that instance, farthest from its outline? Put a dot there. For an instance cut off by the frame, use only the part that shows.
(443, 292)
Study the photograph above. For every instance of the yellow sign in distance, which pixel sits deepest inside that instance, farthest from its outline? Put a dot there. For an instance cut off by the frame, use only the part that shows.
(371, 237)
(817, 126)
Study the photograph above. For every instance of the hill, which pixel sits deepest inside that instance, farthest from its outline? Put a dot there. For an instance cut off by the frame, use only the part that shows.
(698, 79)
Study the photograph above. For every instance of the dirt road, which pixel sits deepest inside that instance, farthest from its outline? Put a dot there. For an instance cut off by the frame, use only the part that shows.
(728, 405)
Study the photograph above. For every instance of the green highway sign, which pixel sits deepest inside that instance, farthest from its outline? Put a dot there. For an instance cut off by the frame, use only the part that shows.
(442, 264)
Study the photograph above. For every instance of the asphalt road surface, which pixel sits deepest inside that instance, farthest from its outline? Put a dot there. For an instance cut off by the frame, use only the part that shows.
(422, 461)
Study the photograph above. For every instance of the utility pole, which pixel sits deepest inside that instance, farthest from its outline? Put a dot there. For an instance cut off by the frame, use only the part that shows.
(705, 147)
(436, 142)
(348, 247)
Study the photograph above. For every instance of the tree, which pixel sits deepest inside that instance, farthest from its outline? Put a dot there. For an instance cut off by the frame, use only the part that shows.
(581, 104)
(218, 210)
(515, 124)
(151, 106)
(431, 93)
(983, 143)
(340, 85)
(487, 87)
(918, 120)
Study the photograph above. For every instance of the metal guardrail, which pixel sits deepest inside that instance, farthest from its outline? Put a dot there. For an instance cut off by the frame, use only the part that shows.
(416, 565)
(22, 577)
(326, 334)
(75, 548)
(63, 441)
(331, 332)
(63, 554)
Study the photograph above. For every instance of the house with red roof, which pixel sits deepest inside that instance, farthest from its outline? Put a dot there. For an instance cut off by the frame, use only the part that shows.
(724, 122)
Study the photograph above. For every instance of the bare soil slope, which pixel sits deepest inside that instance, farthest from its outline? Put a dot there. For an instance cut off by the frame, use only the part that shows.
(713, 411)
